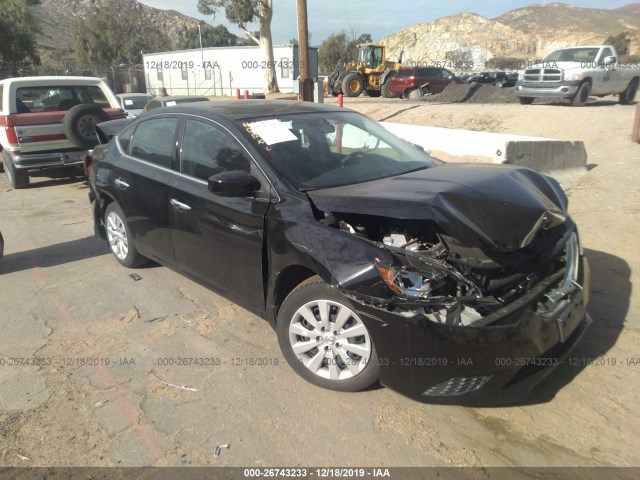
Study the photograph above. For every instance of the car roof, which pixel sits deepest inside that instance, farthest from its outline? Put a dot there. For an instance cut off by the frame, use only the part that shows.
(178, 98)
(240, 109)
(57, 80)
(133, 95)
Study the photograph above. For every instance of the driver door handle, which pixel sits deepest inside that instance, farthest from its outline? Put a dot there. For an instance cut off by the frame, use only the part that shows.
(121, 183)
(181, 206)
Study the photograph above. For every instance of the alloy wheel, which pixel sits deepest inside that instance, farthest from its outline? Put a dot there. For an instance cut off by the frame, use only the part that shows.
(330, 340)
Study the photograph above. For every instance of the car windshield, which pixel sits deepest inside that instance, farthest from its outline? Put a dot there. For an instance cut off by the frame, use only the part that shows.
(136, 102)
(330, 149)
(581, 54)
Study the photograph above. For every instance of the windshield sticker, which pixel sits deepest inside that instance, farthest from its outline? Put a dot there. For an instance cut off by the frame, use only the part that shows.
(271, 131)
(128, 102)
(171, 103)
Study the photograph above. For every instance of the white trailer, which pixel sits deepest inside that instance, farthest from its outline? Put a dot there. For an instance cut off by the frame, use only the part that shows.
(219, 71)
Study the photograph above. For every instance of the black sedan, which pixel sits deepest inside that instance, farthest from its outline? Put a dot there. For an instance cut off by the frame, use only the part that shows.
(456, 283)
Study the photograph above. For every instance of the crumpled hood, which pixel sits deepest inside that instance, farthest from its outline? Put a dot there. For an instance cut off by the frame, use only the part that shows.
(497, 206)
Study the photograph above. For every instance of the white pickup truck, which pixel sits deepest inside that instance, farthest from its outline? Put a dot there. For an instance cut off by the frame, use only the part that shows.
(49, 122)
(577, 73)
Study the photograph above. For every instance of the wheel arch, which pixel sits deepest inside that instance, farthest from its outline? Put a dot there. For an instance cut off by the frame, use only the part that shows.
(287, 280)
(102, 201)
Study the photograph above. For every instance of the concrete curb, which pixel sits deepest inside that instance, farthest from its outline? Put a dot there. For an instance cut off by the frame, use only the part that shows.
(566, 161)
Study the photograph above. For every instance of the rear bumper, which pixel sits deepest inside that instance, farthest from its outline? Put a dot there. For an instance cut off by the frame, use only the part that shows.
(495, 364)
(46, 160)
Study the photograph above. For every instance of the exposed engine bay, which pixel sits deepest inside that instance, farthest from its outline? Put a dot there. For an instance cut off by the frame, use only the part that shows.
(453, 283)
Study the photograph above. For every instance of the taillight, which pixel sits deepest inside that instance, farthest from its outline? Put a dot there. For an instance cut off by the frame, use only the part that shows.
(10, 132)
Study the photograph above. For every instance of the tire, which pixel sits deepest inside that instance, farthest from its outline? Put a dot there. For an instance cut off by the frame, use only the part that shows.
(582, 95)
(374, 93)
(499, 84)
(352, 85)
(119, 238)
(17, 178)
(386, 90)
(317, 362)
(629, 94)
(525, 100)
(79, 125)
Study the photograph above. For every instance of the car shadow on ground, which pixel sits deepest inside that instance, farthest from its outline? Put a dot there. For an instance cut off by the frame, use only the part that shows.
(608, 307)
(57, 176)
(52, 255)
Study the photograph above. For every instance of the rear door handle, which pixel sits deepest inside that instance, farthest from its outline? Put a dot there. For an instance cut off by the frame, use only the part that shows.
(121, 183)
(181, 206)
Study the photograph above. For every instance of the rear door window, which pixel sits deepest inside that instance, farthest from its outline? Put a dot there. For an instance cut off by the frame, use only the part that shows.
(154, 141)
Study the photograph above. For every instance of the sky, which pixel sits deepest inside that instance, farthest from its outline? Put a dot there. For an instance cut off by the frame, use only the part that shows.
(374, 17)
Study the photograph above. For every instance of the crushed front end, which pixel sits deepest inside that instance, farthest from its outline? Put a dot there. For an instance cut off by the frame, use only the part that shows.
(455, 323)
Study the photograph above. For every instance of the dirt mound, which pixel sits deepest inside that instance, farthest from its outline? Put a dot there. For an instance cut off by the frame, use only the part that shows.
(453, 93)
(464, 92)
(491, 94)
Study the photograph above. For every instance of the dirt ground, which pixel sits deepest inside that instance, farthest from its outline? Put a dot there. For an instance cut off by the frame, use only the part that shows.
(63, 298)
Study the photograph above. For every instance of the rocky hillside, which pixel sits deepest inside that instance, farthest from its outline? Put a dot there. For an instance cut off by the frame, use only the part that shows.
(56, 16)
(528, 33)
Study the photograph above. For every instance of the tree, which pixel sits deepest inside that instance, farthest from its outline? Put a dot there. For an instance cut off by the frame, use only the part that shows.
(333, 49)
(18, 28)
(115, 32)
(242, 13)
(620, 42)
(339, 47)
(212, 36)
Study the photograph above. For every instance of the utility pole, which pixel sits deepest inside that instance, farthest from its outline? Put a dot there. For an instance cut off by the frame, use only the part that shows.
(306, 82)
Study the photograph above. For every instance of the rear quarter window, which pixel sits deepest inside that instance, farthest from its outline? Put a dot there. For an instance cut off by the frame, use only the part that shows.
(96, 96)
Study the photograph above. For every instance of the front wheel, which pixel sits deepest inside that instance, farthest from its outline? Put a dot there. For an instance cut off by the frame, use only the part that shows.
(582, 95)
(324, 340)
(352, 85)
(120, 239)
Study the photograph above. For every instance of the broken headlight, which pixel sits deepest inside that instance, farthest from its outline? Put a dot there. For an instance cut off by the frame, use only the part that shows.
(447, 308)
(410, 284)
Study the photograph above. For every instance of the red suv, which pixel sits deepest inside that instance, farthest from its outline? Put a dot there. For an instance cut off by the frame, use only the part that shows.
(432, 79)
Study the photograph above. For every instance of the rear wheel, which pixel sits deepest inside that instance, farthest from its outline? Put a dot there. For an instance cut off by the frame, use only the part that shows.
(582, 95)
(119, 238)
(324, 340)
(629, 94)
(17, 178)
(386, 90)
(525, 100)
(352, 85)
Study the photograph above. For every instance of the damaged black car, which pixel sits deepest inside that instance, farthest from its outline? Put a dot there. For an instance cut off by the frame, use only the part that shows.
(449, 283)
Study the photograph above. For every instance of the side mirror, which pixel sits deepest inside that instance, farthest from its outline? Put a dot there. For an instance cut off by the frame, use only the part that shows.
(610, 60)
(233, 184)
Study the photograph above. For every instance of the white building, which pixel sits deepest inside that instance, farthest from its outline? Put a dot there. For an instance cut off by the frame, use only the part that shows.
(218, 71)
